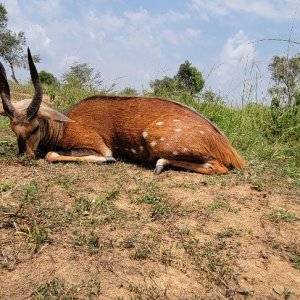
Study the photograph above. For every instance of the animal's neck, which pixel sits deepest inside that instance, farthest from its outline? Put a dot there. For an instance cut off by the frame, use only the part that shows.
(51, 133)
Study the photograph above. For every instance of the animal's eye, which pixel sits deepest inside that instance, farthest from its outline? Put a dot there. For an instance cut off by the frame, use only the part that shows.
(35, 130)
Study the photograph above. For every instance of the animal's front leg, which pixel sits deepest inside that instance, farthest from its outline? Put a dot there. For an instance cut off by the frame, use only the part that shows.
(53, 157)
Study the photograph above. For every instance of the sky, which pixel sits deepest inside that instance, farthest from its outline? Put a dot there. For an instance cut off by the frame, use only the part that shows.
(133, 42)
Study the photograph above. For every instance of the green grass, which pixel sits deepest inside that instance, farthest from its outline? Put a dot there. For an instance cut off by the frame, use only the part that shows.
(229, 232)
(282, 215)
(56, 289)
(219, 204)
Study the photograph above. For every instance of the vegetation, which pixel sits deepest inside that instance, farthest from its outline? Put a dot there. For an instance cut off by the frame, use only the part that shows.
(48, 78)
(285, 94)
(188, 82)
(11, 45)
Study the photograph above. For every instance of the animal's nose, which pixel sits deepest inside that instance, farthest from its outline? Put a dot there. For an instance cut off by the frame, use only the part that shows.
(21, 146)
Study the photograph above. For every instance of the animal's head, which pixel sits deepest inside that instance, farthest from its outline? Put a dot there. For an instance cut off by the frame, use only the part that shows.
(27, 116)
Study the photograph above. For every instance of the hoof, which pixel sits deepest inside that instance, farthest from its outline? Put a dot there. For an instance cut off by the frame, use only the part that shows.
(158, 170)
(109, 159)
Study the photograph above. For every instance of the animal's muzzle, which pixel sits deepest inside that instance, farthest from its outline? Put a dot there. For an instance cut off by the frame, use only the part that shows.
(22, 146)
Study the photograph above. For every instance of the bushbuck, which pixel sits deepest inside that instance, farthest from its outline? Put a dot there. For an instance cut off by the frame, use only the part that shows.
(100, 128)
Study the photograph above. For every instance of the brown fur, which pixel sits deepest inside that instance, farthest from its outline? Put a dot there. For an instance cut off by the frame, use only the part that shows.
(118, 123)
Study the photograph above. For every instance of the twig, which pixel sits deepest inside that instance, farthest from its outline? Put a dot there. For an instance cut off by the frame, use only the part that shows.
(277, 40)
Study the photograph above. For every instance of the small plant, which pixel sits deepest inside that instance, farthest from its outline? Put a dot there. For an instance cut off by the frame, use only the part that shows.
(142, 252)
(258, 184)
(6, 186)
(30, 192)
(275, 244)
(91, 240)
(36, 235)
(65, 181)
(52, 289)
(113, 194)
(287, 293)
(159, 210)
(295, 257)
(229, 232)
(222, 205)
(166, 256)
(57, 289)
(282, 215)
(152, 292)
(208, 257)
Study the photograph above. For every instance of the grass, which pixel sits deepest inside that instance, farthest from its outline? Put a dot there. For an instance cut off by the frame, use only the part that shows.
(80, 231)
(220, 204)
(228, 233)
(58, 289)
(35, 235)
(282, 215)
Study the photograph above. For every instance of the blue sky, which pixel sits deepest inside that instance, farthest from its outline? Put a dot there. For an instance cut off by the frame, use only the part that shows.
(133, 42)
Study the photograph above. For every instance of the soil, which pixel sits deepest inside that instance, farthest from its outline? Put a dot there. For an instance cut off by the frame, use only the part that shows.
(178, 235)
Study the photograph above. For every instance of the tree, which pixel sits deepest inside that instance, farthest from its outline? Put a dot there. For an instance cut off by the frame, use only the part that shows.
(285, 73)
(47, 78)
(83, 75)
(189, 78)
(128, 91)
(11, 45)
(285, 94)
(164, 87)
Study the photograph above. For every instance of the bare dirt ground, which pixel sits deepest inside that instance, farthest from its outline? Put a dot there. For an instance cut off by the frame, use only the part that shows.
(77, 231)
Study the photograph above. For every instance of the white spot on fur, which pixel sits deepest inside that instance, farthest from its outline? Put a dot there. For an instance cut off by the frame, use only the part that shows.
(133, 150)
(126, 149)
(116, 147)
(160, 123)
(176, 120)
(141, 148)
(153, 143)
(202, 132)
(207, 165)
(162, 138)
(199, 125)
(145, 134)
(178, 129)
(175, 153)
(185, 149)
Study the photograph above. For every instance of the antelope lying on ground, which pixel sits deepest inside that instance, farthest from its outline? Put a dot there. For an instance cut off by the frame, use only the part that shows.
(100, 128)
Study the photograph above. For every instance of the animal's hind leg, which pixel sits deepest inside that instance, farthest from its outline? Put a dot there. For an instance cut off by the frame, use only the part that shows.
(208, 168)
(76, 156)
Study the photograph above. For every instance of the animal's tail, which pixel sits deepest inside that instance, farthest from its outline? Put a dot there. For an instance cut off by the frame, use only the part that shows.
(225, 153)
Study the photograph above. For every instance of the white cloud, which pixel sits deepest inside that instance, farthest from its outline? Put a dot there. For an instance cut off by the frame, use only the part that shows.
(192, 33)
(234, 67)
(106, 22)
(237, 51)
(277, 10)
(37, 35)
(46, 7)
(137, 16)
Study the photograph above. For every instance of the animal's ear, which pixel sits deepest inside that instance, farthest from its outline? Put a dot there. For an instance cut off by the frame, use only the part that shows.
(52, 114)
